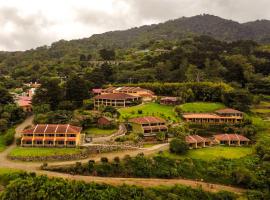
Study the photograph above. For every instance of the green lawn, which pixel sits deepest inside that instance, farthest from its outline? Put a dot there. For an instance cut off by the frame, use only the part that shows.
(149, 109)
(8, 171)
(213, 153)
(99, 132)
(197, 107)
(39, 152)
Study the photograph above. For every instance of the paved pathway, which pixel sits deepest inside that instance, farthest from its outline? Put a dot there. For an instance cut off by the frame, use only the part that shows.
(145, 182)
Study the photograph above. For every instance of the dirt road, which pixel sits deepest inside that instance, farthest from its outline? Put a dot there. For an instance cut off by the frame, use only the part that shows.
(145, 182)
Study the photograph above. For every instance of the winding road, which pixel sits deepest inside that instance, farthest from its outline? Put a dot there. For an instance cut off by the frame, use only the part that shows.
(145, 182)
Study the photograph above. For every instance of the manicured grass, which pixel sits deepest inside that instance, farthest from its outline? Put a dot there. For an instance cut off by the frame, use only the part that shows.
(100, 132)
(198, 107)
(39, 152)
(8, 171)
(148, 145)
(149, 109)
(213, 153)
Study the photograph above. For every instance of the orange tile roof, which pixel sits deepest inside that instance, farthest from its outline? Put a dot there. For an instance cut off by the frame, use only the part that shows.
(195, 139)
(53, 128)
(208, 116)
(115, 96)
(227, 110)
(147, 120)
(200, 115)
(231, 137)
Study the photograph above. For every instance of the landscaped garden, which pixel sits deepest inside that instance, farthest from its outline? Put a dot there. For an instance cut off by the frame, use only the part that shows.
(213, 153)
(149, 109)
(199, 107)
(99, 132)
(41, 152)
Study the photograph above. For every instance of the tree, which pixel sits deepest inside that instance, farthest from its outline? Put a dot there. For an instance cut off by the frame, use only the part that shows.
(178, 146)
(76, 89)
(107, 54)
(5, 97)
(50, 93)
(194, 74)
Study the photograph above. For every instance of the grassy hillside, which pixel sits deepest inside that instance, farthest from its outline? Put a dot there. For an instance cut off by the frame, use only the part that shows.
(198, 107)
(150, 109)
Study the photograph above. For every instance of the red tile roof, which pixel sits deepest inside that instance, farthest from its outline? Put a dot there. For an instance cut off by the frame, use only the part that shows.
(53, 128)
(24, 101)
(126, 89)
(115, 96)
(195, 139)
(231, 137)
(227, 110)
(96, 90)
(169, 99)
(208, 116)
(147, 120)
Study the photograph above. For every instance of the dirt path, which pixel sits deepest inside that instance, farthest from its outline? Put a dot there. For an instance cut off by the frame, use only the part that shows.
(145, 182)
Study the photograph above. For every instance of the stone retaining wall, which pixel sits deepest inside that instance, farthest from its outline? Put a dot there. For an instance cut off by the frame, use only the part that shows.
(66, 157)
(93, 149)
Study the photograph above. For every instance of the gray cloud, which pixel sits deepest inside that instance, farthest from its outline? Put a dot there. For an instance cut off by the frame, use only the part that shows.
(23, 31)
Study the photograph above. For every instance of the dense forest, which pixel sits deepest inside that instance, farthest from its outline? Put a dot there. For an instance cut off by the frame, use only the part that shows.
(28, 186)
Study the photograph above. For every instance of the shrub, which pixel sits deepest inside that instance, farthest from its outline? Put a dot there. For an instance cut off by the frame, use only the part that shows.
(9, 136)
(104, 160)
(178, 146)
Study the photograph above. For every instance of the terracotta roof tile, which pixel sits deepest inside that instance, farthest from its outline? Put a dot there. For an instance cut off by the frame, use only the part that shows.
(147, 120)
(115, 96)
(53, 128)
(230, 137)
(227, 110)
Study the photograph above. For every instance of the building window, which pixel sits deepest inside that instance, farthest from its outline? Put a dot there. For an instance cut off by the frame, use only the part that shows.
(60, 135)
(39, 142)
(71, 135)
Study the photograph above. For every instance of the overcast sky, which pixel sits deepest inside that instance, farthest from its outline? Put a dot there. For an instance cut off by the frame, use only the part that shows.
(27, 24)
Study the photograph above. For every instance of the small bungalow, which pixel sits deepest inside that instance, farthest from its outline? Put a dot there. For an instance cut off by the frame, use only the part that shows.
(96, 91)
(211, 118)
(196, 141)
(231, 139)
(229, 112)
(51, 135)
(149, 126)
(105, 121)
(169, 101)
(117, 100)
(25, 103)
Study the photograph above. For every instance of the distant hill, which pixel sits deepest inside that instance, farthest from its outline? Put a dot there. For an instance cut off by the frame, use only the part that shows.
(214, 26)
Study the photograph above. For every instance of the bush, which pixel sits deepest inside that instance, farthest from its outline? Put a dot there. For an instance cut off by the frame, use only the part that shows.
(178, 146)
(9, 136)
(104, 160)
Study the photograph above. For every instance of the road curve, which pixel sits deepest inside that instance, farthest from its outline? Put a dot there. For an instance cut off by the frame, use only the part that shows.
(145, 182)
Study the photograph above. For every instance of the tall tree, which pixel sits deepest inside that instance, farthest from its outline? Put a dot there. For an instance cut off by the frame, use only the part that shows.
(50, 92)
(76, 89)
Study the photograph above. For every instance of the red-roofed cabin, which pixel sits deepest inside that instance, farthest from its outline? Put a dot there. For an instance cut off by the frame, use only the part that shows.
(117, 100)
(211, 118)
(144, 94)
(52, 135)
(196, 141)
(25, 103)
(169, 101)
(231, 139)
(149, 126)
(96, 91)
(229, 112)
